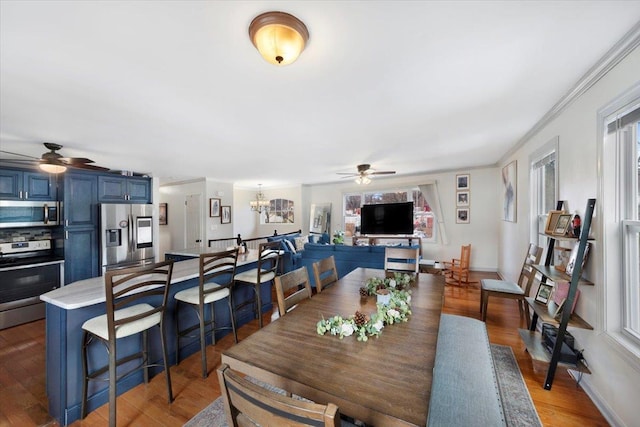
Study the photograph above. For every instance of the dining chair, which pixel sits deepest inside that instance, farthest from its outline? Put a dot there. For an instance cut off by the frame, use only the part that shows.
(249, 404)
(297, 279)
(266, 271)
(402, 260)
(217, 270)
(457, 270)
(136, 299)
(508, 289)
(325, 273)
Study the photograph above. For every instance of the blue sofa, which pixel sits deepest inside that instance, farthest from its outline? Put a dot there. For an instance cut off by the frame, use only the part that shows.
(347, 258)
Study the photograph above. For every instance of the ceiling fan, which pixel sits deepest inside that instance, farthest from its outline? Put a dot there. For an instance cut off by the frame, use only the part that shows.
(53, 162)
(364, 173)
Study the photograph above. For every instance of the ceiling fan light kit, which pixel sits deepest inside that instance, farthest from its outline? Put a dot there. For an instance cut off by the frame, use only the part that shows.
(363, 176)
(278, 36)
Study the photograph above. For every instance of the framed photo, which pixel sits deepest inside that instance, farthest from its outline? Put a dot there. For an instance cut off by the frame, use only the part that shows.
(544, 293)
(510, 188)
(225, 217)
(462, 198)
(562, 225)
(462, 182)
(162, 216)
(559, 307)
(552, 220)
(214, 207)
(462, 216)
(573, 258)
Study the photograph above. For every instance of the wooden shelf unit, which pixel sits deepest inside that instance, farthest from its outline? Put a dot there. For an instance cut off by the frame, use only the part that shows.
(531, 338)
(377, 239)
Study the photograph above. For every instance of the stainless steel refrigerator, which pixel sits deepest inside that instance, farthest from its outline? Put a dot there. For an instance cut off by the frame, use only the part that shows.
(126, 235)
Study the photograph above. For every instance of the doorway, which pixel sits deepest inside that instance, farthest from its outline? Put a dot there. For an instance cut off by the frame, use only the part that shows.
(193, 221)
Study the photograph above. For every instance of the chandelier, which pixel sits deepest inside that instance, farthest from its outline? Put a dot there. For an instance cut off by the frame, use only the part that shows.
(260, 204)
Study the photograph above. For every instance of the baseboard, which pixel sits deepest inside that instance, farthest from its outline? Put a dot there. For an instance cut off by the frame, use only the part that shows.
(603, 407)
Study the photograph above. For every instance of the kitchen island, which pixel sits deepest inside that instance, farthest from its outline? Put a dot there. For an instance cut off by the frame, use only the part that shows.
(68, 307)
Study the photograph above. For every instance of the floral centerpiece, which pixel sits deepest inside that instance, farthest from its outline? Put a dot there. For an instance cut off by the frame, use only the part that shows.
(338, 237)
(362, 326)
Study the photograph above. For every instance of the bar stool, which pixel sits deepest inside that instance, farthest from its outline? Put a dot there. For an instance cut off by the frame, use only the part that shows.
(132, 307)
(217, 271)
(268, 256)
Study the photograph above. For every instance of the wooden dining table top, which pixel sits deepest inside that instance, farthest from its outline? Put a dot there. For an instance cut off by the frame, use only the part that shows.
(385, 381)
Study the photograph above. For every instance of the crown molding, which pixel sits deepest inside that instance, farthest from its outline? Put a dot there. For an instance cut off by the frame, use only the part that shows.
(617, 53)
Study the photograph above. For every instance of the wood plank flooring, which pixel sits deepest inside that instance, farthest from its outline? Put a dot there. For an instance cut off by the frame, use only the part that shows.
(22, 375)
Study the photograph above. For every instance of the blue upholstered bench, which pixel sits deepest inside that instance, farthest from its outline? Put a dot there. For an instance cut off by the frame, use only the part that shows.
(464, 391)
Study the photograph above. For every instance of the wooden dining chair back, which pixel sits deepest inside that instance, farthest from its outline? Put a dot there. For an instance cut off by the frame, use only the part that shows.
(216, 274)
(297, 280)
(325, 273)
(402, 260)
(266, 271)
(136, 299)
(512, 290)
(249, 404)
(457, 271)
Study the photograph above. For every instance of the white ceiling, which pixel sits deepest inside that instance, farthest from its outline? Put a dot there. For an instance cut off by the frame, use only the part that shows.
(176, 89)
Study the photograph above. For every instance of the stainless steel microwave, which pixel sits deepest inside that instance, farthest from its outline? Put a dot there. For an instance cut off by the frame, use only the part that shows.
(28, 214)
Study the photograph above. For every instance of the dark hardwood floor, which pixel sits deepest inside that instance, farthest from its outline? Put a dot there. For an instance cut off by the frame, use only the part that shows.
(22, 375)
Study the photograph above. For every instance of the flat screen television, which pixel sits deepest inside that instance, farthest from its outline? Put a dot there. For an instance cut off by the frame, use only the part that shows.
(387, 218)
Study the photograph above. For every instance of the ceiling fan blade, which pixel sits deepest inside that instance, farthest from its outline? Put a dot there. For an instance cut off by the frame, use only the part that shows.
(382, 173)
(76, 160)
(87, 167)
(26, 159)
(347, 173)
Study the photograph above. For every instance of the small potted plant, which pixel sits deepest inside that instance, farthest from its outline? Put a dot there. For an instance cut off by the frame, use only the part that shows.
(383, 296)
(338, 237)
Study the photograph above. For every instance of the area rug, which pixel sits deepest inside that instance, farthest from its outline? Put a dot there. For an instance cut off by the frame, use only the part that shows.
(516, 401)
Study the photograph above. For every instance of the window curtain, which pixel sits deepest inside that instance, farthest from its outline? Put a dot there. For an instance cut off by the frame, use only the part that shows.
(431, 195)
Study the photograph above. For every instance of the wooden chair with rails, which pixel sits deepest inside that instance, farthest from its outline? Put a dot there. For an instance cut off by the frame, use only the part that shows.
(325, 273)
(507, 289)
(297, 279)
(402, 260)
(457, 271)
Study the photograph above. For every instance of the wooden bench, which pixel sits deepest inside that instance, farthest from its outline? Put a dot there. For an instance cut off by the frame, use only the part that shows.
(464, 391)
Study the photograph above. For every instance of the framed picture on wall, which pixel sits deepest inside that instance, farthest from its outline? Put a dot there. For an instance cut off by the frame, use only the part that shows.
(510, 188)
(162, 216)
(462, 182)
(462, 198)
(225, 215)
(462, 216)
(214, 207)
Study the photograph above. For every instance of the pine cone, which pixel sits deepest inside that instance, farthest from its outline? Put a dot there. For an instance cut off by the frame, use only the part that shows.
(360, 318)
(364, 292)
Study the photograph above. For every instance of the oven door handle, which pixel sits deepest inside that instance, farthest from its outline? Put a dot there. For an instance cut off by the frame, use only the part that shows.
(46, 213)
(130, 233)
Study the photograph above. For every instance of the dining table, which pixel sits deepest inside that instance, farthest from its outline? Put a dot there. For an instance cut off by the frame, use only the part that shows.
(384, 381)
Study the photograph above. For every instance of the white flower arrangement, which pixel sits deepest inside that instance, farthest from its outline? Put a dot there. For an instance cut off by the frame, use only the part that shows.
(398, 310)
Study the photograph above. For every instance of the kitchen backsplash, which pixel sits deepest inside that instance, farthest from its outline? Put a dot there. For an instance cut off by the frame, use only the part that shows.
(24, 234)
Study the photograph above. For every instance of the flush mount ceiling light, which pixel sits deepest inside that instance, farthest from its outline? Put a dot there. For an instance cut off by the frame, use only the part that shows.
(278, 36)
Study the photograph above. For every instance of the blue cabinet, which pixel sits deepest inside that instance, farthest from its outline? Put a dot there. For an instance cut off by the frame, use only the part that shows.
(80, 214)
(118, 189)
(18, 184)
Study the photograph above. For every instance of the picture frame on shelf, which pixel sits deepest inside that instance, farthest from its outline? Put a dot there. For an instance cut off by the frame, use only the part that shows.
(462, 216)
(543, 296)
(462, 198)
(162, 214)
(463, 182)
(558, 310)
(562, 225)
(214, 208)
(225, 215)
(552, 220)
(573, 257)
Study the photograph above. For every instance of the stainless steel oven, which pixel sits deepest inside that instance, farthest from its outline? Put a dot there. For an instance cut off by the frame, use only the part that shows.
(28, 269)
(17, 213)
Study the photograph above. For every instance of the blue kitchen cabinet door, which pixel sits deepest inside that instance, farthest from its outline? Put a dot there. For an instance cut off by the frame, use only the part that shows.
(80, 200)
(27, 185)
(81, 254)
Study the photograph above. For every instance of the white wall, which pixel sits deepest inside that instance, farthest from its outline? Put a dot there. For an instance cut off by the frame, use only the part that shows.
(615, 380)
(484, 207)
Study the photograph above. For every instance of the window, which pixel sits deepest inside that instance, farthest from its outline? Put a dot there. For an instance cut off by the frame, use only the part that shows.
(423, 218)
(544, 184)
(620, 156)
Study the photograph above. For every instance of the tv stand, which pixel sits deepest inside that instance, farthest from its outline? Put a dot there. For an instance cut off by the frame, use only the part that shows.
(377, 239)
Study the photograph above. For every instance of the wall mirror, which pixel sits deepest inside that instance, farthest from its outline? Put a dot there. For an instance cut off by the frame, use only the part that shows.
(320, 220)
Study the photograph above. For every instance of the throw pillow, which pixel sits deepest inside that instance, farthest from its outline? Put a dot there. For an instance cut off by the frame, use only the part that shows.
(300, 241)
(289, 245)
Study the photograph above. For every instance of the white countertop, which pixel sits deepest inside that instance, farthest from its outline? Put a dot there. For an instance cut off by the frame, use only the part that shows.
(84, 293)
(191, 251)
